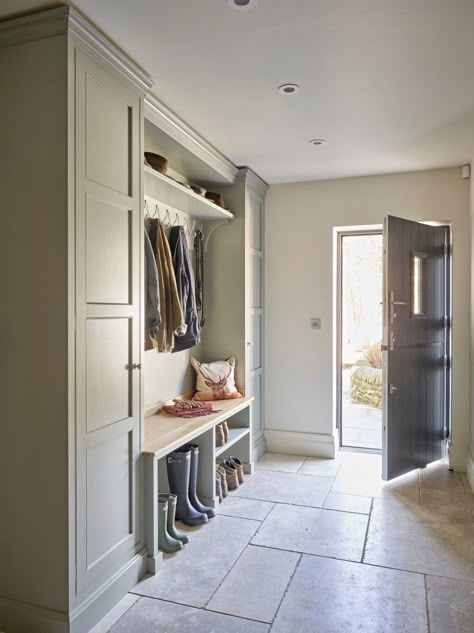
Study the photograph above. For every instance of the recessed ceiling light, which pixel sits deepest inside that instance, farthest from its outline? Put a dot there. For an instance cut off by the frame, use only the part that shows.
(242, 4)
(288, 89)
(317, 141)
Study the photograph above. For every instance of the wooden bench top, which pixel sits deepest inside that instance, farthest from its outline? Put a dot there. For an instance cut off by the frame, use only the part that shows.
(165, 432)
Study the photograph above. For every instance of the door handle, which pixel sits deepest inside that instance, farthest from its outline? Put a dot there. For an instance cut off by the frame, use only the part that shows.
(393, 314)
(136, 366)
(393, 389)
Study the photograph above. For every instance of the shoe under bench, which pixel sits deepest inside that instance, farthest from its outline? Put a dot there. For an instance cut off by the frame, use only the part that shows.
(165, 433)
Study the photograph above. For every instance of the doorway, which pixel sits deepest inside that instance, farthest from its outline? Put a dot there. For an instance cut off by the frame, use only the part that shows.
(360, 325)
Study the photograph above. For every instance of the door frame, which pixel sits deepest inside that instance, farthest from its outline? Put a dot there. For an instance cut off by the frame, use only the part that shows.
(339, 234)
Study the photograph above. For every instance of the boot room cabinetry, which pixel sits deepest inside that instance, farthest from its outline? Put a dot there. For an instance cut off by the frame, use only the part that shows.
(75, 508)
(71, 229)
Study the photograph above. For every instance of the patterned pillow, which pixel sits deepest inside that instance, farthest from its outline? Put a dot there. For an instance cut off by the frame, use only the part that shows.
(215, 381)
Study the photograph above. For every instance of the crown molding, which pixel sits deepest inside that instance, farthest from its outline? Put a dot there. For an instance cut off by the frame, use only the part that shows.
(66, 20)
(166, 120)
(253, 180)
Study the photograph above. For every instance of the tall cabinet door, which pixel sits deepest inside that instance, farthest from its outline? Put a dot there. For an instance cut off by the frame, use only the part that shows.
(108, 419)
(255, 307)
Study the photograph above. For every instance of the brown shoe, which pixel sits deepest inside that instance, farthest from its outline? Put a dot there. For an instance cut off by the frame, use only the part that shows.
(231, 475)
(240, 468)
(225, 428)
(220, 437)
(221, 473)
(219, 492)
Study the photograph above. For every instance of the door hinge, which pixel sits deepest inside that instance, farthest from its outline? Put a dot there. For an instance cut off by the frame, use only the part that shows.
(446, 249)
(445, 361)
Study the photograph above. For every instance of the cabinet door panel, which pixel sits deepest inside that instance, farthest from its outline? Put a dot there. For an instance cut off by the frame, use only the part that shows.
(108, 237)
(109, 516)
(256, 298)
(107, 372)
(255, 223)
(108, 148)
(256, 340)
(256, 406)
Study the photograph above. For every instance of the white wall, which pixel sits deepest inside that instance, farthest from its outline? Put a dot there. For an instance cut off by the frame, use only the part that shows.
(299, 284)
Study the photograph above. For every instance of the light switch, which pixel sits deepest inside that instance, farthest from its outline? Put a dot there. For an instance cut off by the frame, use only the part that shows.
(316, 323)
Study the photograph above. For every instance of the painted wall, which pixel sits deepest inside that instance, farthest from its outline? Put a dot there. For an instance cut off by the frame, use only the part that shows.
(299, 285)
(168, 375)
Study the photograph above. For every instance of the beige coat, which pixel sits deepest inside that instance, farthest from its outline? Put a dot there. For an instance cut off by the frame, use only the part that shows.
(172, 320)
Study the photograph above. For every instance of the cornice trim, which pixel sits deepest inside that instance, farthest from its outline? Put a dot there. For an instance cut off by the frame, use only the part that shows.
(65, 20)
(165, 119)
(253, 180)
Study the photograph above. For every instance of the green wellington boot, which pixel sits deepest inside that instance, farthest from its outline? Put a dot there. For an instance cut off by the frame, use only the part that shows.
(166, 543)
(170, 524)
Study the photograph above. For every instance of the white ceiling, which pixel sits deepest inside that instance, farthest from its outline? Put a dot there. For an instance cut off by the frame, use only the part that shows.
(388, 83)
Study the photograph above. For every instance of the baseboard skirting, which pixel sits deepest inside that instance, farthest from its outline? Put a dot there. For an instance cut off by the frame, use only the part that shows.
(308, 444)
(457, 457)
(259, 448)
(20, 616)
(470, 469)
(91, 611)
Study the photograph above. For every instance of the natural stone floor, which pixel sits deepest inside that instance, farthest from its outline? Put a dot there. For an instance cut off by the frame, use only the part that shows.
(319, 546)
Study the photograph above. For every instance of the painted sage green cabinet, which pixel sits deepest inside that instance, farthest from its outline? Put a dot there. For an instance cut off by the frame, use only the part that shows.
(71, 233)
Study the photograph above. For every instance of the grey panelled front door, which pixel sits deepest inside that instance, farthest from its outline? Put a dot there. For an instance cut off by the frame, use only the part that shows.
(415, 345)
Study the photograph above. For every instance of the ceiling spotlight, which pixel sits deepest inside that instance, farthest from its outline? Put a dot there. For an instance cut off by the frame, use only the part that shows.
(242, 4)
(289, 89)
(317, 142)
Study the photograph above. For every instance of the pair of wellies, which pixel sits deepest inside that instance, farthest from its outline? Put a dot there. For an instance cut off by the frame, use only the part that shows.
(182, 502)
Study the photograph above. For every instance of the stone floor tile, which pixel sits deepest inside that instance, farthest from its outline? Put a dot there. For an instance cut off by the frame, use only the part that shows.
(255, 585)
(438, 477)
(115, 614)
(419, 538)
(447, 502)
(320, 467)
(331, 596)
(286, 488)
(348, 503)
(192, 575)
(245, 508)
(277, 461)
(314, 531)
(361, 474)
(450, 605)
(156, 616)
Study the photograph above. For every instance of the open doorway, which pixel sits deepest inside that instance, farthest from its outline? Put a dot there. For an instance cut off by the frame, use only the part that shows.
(360, 294)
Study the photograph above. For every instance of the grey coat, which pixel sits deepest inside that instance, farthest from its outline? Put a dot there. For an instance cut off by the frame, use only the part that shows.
(186, 290)
(152, 290)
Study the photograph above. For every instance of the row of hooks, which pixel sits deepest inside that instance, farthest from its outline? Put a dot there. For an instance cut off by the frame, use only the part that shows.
(167, 222)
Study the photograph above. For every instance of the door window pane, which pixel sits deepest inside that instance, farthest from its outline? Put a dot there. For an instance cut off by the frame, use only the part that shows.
(417, 284)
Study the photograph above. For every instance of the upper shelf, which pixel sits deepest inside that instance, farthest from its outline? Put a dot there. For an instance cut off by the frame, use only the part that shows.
(171, 193)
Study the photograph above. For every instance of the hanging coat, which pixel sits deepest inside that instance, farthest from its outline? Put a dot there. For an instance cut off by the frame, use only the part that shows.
(172, 320)
(186, 290)
(152, 293)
